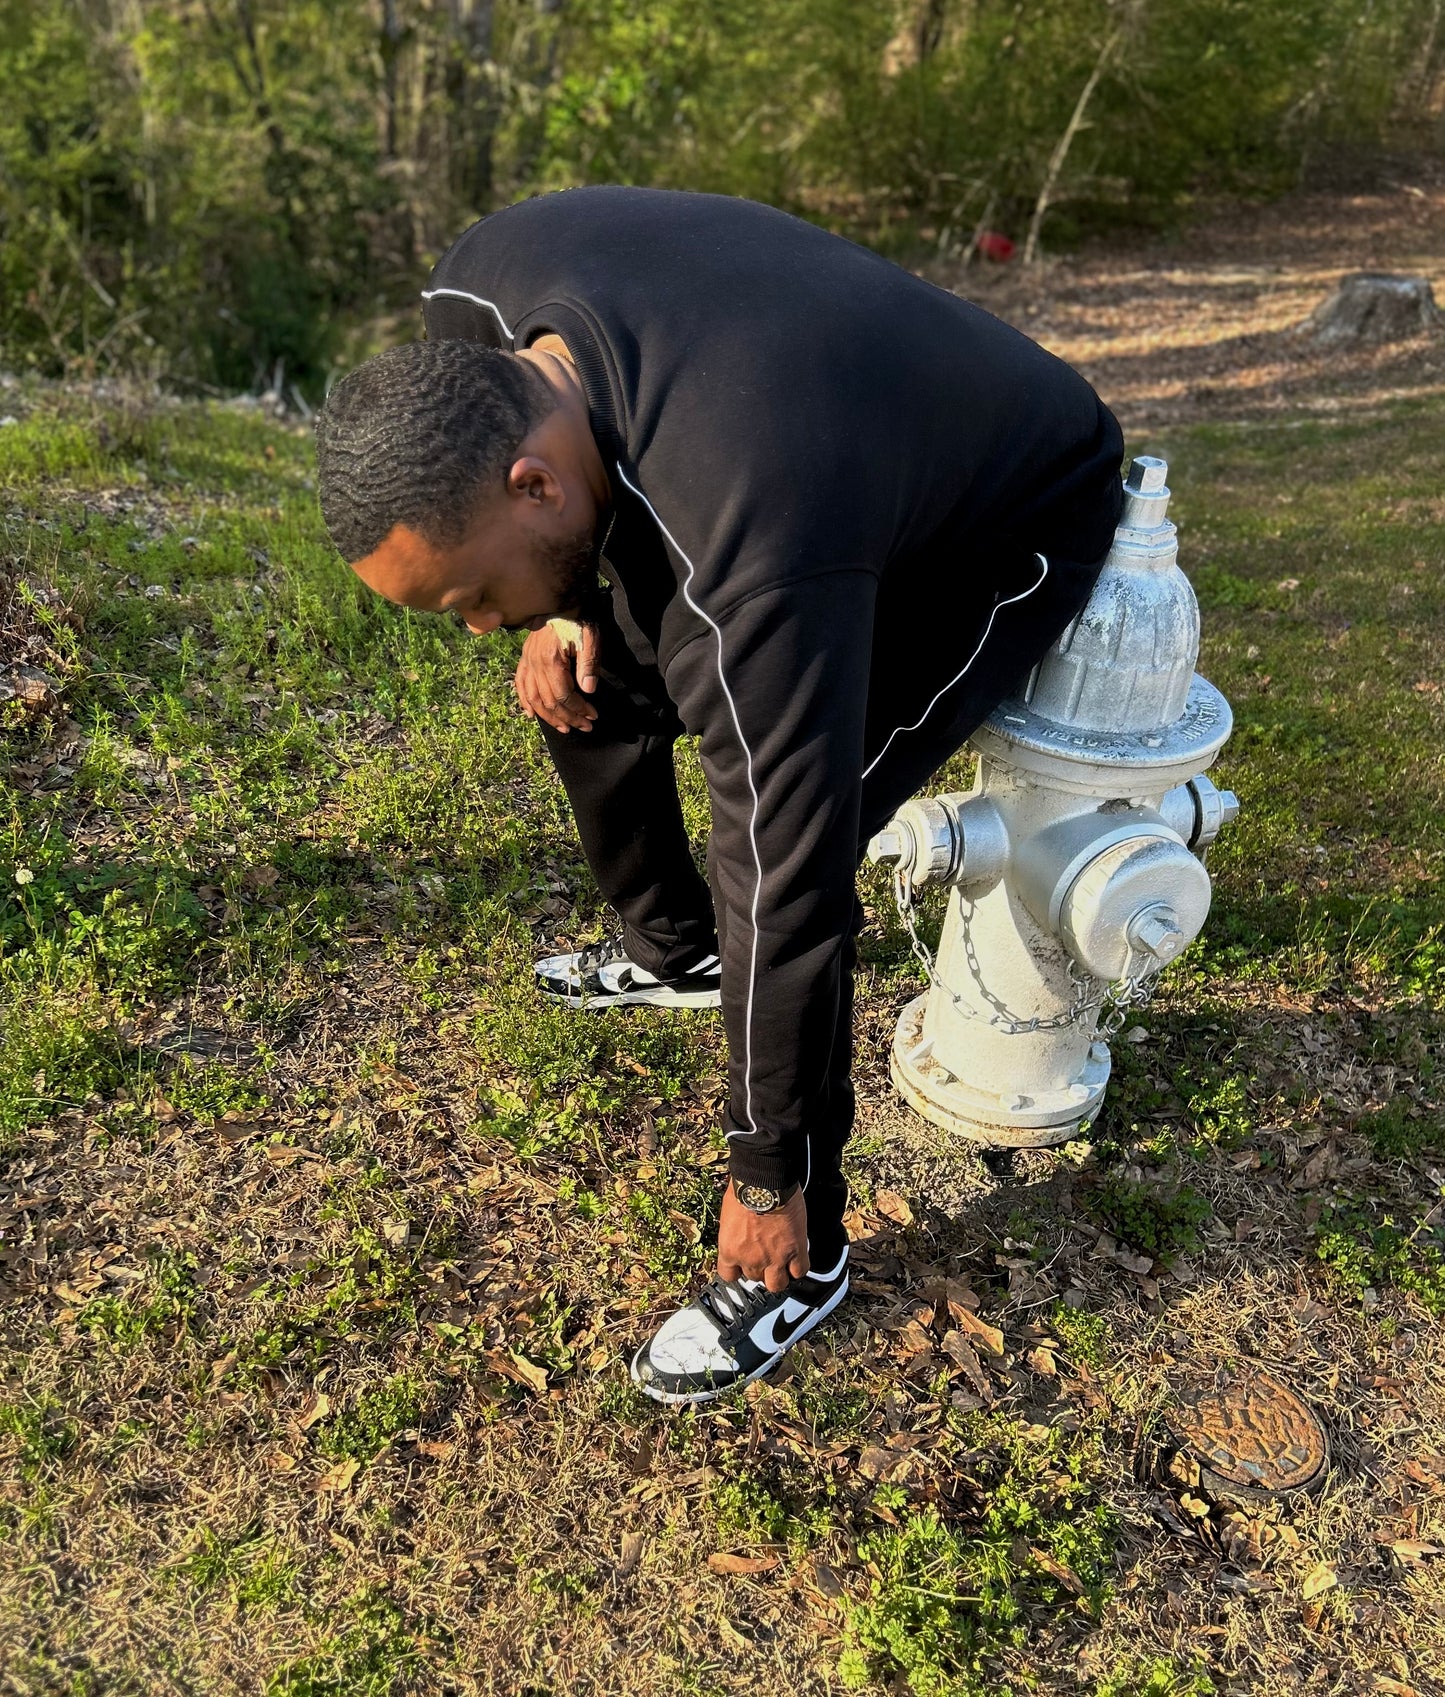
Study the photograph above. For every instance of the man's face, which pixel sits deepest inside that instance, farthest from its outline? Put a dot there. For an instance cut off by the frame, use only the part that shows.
(518, 565)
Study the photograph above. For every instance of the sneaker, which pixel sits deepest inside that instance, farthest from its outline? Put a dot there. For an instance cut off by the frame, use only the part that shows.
(733, 1334)
(602, 976)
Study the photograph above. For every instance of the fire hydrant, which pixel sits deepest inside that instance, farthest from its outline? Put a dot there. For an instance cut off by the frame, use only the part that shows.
(1076, 864)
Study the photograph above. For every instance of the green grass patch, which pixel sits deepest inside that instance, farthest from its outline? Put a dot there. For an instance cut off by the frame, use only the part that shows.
(374, 1649)
(775, 1504)
(1083, 1334)
(41, 1436)
(1156, 1676)
(208, 1089)
(59, 1052)
(1322, 619)
(1367, 1250)
(1156, 1219)
(252, 1564)
(165, 1304)
(1402, 1130)
(944, 1598)
(374, 1419)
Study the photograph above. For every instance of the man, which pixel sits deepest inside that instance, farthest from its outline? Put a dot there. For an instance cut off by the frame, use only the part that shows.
(840, 513)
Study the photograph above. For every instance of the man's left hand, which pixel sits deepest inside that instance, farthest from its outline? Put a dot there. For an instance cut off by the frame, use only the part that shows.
(772, 1247)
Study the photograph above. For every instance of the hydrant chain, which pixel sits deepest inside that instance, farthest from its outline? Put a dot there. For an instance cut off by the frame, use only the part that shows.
(1090, 995)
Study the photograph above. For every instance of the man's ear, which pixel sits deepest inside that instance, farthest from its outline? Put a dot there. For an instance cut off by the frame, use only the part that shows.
(532, 479)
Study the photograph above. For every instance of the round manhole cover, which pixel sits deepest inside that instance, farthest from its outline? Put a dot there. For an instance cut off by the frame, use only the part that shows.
(1248, 1432)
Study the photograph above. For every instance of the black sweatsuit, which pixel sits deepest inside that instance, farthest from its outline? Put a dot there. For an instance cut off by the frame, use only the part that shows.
(834, 487)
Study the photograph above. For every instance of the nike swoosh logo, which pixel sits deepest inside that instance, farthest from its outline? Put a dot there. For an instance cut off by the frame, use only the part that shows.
(777, 1329)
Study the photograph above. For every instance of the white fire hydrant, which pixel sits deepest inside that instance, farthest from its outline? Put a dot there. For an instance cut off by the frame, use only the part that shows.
(1076, 864)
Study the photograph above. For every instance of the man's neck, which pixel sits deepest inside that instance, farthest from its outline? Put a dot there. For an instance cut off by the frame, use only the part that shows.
(551, 356)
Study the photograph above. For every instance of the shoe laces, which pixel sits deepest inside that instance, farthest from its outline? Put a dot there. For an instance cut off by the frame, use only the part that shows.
(596, 955)
(729, 1302)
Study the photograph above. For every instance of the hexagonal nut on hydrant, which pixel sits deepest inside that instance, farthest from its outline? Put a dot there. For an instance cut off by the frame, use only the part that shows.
(1156, 931)
(887, 848)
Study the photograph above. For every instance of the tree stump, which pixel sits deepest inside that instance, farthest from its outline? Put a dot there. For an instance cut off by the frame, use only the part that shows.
(1373, 306)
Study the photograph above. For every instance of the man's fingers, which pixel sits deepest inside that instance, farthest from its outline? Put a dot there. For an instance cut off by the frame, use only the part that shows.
(798, 1266)
(565, 701)
(587, 659)
(556, 682)
(545, 685)
(777, 1279)
(729, 1270)
(549, 694)
(567, 716)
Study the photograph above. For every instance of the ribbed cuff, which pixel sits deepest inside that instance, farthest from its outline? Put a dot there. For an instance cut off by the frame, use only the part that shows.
(775, 1168)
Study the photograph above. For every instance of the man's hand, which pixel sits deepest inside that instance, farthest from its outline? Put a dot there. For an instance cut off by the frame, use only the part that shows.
(556, 673)
(771, 1247)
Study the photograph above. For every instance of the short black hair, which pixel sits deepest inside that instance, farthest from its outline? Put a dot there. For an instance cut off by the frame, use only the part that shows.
(416, 436)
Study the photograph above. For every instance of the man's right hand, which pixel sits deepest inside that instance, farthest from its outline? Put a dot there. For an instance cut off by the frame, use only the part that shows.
(556, 674)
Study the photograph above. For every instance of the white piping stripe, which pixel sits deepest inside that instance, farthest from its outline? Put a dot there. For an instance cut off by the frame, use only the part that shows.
(753, 788)
(972, 657)
(461, 294)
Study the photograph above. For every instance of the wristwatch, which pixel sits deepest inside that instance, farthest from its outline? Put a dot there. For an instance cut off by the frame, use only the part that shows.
(759, 1199)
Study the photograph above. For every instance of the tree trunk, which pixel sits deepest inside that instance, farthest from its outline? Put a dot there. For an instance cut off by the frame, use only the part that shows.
(1065, 142)
(390, 46)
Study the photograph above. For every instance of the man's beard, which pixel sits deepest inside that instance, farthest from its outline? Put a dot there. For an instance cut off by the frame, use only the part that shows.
(570, 564)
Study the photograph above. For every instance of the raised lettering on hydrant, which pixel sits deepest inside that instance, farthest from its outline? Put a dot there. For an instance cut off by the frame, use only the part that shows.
(1076, 865)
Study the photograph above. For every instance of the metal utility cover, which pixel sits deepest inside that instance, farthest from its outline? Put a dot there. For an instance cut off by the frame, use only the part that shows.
(1249, 1431)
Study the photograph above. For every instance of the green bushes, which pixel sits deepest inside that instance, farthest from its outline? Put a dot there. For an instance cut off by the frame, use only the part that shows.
(223, 193)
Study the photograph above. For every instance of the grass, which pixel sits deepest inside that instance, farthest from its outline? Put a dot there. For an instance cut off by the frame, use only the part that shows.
(1157, 1223)
(329, 1240)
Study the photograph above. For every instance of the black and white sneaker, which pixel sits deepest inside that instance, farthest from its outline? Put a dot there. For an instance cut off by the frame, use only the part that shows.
(602, 976)
(733, 1334)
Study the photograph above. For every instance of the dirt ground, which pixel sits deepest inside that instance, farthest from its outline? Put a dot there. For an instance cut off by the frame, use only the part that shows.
(1206, 325)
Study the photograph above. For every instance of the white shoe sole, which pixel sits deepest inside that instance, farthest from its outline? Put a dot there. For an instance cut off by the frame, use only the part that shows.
(757, 1373)
(657, 996)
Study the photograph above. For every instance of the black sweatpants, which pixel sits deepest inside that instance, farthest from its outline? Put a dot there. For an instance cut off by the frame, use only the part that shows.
(620, 780)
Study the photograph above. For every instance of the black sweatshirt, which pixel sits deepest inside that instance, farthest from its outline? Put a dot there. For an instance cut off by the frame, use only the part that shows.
(809, 430)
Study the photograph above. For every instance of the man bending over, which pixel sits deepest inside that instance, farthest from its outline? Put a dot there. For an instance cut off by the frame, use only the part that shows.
(800, 504)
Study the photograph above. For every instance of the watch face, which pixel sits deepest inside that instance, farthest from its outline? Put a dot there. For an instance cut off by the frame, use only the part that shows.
(757, 1198)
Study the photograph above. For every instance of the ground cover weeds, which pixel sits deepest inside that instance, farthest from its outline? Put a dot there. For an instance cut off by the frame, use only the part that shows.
(375, 1650)
(1159, 1221)
(944, 1597)
(1402, 1130)
(374, 1420)
(1367, 1250)
(1153, 1676)
(326, 1242)
(165, 1302)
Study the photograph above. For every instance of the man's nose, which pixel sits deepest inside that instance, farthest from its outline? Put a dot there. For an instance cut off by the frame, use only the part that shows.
(481, 624)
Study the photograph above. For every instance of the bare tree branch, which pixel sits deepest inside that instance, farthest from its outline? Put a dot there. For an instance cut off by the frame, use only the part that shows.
(1065, 142)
